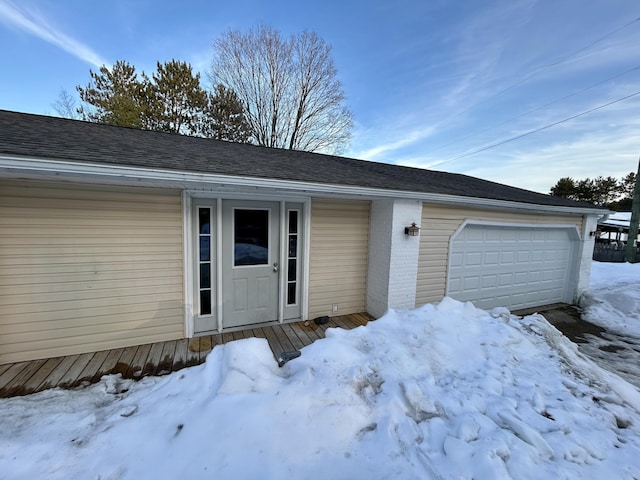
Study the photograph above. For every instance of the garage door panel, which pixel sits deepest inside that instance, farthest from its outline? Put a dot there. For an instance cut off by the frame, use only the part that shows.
(510, 265)
(508, 257)
(457, 259)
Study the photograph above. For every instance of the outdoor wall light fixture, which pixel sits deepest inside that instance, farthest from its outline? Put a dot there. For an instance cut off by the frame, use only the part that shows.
(412, 231)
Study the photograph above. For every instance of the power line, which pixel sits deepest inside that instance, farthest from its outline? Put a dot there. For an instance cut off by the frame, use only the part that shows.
(567, 57)
(488, 147)
(553, 102)
(549, 65)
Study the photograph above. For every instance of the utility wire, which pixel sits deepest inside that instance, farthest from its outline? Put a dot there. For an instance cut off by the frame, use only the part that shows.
(488, 147)
(549, 65)
(567, 57)
(553, 102)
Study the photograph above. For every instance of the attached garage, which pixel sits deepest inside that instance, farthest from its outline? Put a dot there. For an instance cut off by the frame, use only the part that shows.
(512, 265)
(500, 257)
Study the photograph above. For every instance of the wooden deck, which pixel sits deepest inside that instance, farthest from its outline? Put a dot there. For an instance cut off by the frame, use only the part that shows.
(154, 358)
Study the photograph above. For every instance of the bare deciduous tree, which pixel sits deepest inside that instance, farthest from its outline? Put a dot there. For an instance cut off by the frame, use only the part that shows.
(289, 88)
(66, 106)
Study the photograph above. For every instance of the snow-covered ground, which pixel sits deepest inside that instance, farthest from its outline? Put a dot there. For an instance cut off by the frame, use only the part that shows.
(613, 302)
(443, 391)
(613, 298)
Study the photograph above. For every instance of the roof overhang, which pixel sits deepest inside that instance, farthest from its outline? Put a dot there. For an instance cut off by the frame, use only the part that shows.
(18, 167)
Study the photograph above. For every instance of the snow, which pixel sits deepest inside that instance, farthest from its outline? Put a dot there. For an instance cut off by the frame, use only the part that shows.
(444, 391)
(613, 298)
(618, 219)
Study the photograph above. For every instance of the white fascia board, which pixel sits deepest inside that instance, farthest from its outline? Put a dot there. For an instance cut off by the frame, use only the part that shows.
(44, 169)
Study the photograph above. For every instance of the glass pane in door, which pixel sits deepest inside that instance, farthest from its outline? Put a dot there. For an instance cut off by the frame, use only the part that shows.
(250, 237)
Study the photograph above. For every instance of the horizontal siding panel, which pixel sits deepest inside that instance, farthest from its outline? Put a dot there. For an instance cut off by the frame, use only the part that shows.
(87, 343)
(338, 256)
(95, 288)
(115, 292)
(90, 268)
(85, 268)
(99, 329)
(322, 275)
(440, 222)
(85, 316)
(329, 297)
(15, 216)
(38, 236)
(70, 259)
(18, 276)
(133, 299)
(19, 192)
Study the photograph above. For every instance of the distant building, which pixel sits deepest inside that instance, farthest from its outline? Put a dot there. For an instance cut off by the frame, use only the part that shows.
(615, 228)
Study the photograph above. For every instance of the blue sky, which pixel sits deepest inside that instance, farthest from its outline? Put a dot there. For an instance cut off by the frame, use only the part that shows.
(430, 82)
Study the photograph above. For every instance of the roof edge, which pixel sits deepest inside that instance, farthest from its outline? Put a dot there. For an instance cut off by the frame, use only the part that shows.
(33, 167)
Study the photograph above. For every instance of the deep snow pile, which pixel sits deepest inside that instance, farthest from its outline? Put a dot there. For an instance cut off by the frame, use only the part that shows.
(442, 391)
(613, 298)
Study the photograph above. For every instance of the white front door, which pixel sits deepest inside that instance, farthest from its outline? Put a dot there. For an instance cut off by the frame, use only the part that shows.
(250, 262)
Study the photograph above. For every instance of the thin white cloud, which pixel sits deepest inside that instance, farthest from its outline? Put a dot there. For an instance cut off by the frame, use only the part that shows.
(32, 22)
(405, 139)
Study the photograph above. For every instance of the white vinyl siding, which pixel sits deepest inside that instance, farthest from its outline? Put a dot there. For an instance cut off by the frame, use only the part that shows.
(439, 223)
(87, 268)
(338, 256)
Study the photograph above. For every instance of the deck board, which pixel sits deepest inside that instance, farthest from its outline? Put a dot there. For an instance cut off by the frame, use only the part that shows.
(206, 345)
(92, 368)
(293, 337)
(138, 362)
(153, 359)
(156, 358)
(286, 344)
(41, 375)
(274, 343)
(58, 373)
(166, 357)
(180, 354)
(124, 362)
(109, 363)
(71, 376)
(17, 386)
(10, 373)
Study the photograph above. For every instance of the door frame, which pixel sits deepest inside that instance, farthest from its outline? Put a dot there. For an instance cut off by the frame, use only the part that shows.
(190, 199)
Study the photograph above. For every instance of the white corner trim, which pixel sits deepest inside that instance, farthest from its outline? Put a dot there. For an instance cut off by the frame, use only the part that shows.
(218, 236)
(306, 218)
(282, 254)
(187, 272)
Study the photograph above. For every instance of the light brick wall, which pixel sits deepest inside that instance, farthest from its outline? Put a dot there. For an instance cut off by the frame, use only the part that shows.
(393, 256)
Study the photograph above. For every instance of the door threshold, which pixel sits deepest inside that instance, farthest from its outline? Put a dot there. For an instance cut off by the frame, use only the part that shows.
(246, 327)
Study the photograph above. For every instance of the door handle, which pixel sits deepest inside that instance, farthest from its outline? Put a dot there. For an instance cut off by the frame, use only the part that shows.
(275, 266)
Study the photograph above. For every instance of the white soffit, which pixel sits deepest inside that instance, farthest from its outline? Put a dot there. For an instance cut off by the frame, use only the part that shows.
(44, 169)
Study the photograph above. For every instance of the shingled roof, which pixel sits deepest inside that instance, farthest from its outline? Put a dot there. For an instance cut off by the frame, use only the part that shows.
(42, 137)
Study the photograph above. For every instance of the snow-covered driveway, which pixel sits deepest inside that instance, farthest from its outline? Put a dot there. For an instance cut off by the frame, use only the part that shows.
(613, 303)
(617, 353)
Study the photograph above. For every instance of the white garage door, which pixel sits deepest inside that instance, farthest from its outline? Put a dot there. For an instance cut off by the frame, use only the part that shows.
(511, 266)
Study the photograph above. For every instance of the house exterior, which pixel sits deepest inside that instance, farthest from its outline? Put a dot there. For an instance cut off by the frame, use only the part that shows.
(112, 237)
